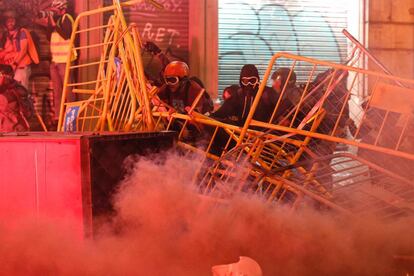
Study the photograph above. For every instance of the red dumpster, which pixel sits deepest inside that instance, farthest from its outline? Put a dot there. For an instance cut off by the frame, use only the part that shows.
(67, 176)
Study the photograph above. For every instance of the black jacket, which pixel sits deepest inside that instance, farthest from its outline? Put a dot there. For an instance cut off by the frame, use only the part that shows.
(237, 108)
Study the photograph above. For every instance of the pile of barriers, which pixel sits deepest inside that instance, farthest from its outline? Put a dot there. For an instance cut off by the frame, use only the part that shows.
(337, 149)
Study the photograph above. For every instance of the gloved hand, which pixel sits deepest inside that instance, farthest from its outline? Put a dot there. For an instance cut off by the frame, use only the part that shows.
(152, 48)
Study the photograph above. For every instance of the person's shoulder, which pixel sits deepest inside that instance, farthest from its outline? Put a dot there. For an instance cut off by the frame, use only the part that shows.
(197, 80)
(195, 85)
(23, 33)
(239, 91)
(162, 90)
(268, 89)
(296, 91)
(192, 88)
(236, 97)
(232, 89)
(20, 89)
(269, 93)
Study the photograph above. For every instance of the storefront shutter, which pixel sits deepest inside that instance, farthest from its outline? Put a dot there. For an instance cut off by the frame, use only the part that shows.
(168, 28)
(252, 31)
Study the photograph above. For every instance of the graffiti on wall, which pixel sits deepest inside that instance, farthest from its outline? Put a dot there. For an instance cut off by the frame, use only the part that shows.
(168, 28)
(251, 32)
(170, 5)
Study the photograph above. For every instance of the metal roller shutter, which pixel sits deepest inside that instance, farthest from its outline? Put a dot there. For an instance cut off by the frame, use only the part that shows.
(168, 28)
(252, 31)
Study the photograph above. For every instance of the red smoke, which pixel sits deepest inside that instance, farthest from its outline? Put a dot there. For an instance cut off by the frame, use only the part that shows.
(162, 228)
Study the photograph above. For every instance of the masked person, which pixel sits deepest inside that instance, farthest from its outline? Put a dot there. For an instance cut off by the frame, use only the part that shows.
(282, 78)
(13, 97)
(283, 81)
(180, 91)
(178, 94)
(237, 107)
(15, 49)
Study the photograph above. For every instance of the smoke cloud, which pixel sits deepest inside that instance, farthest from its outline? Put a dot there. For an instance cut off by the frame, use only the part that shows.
(163, 227)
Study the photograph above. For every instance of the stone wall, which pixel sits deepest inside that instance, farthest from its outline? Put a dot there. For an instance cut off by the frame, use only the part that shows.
(391, 35)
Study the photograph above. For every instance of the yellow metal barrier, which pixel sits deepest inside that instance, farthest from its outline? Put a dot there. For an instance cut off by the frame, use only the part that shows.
(116, 99)
(349, 111)
(325, 118)
(289, 159)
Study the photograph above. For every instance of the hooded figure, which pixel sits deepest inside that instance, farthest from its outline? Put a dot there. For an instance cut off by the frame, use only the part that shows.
(283, 80)
(237, 107)
(249, 80)
(60, 26)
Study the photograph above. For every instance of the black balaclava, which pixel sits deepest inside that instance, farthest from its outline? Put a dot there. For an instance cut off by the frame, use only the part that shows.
(249, 70)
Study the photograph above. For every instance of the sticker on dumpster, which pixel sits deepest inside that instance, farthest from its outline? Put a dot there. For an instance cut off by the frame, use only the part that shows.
(71, 116)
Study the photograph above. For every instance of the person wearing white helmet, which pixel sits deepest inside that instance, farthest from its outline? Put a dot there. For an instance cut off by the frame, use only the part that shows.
(244, 267)
(59, 23)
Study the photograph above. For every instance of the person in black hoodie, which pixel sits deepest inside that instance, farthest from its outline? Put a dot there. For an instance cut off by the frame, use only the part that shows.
(236, 109)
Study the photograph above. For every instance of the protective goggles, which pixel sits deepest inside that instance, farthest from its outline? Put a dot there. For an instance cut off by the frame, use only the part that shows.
(171, 80)
(250, 80)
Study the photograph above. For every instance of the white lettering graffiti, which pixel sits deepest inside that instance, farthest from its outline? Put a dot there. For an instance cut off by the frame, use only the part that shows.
(147, 31)
(169, 5)
(160, 34)
(173, 33)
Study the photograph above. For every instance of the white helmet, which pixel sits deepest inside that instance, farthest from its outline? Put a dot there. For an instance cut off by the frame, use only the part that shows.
(60, 4)
(244, 267)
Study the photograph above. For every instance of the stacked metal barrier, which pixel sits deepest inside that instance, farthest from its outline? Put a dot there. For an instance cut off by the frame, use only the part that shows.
(288, 162)
(116, 98)
(337, 148)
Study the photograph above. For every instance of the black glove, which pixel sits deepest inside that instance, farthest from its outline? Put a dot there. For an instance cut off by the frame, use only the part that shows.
(152, 48)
